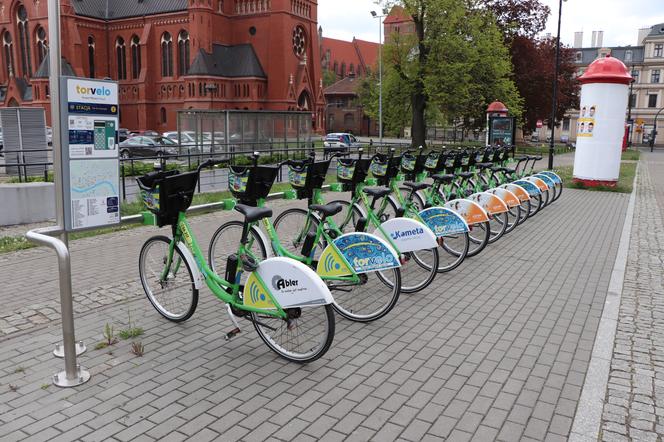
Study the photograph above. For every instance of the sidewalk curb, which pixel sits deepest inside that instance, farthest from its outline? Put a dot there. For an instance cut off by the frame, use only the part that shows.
(587, 420)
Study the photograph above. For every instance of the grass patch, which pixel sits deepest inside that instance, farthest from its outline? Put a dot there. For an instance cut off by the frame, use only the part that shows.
(631, 155)
(625, 181)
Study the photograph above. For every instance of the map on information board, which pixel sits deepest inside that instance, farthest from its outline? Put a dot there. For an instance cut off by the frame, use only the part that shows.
(95, 197)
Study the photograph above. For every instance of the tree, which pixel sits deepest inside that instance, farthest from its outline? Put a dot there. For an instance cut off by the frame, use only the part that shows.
(534, 69)
(329, 78)
(524, 18)
(396, 101)
(451, 64)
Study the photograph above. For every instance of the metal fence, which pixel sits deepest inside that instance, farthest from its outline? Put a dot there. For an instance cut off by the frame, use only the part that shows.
(235, 131)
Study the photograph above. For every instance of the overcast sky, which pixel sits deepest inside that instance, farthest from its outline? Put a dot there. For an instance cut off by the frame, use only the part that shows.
(619, 19)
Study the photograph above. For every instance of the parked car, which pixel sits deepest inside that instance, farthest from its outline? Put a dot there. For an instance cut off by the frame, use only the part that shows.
(123, 134)
(339, 142)
(147, 133)
(143, 146)
(187, 140)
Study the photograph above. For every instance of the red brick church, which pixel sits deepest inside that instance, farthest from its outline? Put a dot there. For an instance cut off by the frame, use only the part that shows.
(170, 55)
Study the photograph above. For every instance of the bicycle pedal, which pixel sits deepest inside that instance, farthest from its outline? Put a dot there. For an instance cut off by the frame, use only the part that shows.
(440, 241)
(233, 333)
(290, 324)
(403, 259)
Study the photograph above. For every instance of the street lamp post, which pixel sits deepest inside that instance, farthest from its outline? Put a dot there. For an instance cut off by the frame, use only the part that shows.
(380, 71)
(654, 130)
(629, 109)
(555, 88)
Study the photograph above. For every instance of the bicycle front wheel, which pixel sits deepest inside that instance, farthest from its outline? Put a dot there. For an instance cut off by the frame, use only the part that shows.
(305, 337)
(292, 226)
(169, 288)
(225, 242)
(513, 218)
(346, 220)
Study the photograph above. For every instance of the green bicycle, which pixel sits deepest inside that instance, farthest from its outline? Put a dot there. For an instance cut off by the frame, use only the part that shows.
(360, 269)
(288, 304)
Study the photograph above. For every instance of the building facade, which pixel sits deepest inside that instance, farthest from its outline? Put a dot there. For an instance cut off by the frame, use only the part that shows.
(355, 58)
(344, 113)
(646, 62)
(170, 55)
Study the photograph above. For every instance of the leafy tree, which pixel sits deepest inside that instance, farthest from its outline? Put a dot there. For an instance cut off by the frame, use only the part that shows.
(396, 101)
(329, 78)
(453, 64)
(524, 18)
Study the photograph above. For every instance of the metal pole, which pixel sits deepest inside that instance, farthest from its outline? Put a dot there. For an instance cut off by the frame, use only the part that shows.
(380, 79)
(73, 374)
(555, 89)
(629, 110)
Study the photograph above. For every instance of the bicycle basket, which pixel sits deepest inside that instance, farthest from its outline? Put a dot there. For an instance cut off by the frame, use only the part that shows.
(431, 162)
(297, 178)
(248, 184)
(351, 172)
(166, 194)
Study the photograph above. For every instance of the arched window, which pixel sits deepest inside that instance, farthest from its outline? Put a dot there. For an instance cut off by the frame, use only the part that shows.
(352, 69)
(166, 55)
(135, 57)
(24, 40)
(343, 69)
(163, 115)
(336, 67)
(121, 55)
(91, 55)
(41, 44)
(8, 46)
(183, 53)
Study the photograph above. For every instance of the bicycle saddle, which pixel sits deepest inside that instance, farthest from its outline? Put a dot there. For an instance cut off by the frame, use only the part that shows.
(377, 192)
(498, 169)
(465, 175)
(509, 170)
(444, 177)
(253, 214)
(522, 158)
(416, 186)
(484, 165)
(327, 209)
(536, 158)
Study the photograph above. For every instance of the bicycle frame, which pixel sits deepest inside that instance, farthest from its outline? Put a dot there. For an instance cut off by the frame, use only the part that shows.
(228, 292)
(279, 249)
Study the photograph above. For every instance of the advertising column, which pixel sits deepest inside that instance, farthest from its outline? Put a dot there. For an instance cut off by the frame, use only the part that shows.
(91, 167)
(601, 124)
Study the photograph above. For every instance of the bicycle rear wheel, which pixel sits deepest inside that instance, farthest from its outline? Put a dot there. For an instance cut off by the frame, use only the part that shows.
(305, 337)
(479, 235)
(498, 226)
(174, 295)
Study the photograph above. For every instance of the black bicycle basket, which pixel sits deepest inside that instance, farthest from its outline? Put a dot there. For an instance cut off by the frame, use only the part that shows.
(166, 194)
(248, 184)
(305, 179)
(351, 172)
(412, 165)
(384, 168)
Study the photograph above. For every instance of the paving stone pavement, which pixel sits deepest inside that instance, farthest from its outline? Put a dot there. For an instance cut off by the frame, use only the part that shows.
(496, 350)
(634, 402)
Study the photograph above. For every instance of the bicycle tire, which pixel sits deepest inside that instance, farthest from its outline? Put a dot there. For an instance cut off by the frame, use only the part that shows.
(352, 301)
(340, 217)
(165, 309)
(281, 329)
(513, 217)
(219, 252)
(535, 204)
(498, 227)
(293, 238)
(479, 240)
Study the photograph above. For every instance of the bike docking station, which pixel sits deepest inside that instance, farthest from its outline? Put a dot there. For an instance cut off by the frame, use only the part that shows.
(84, 117)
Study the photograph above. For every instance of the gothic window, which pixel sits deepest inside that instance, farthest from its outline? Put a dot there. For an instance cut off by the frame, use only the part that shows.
(183, 53)
(41, 44)
(299, 41)
(91, 56)
(135, 57)
(121, 54)
(166, 55)
(24, 40)
(8, 46)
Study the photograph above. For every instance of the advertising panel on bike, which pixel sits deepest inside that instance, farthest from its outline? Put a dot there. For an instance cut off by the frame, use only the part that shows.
(469, 210)
(291, 283)
(408, 235)
(508, 197)
(517, 190)
(541, 185)
(443, 222)
(549, 182)
(491, 203)
(364, 252)
(554, 177)
(531, 188)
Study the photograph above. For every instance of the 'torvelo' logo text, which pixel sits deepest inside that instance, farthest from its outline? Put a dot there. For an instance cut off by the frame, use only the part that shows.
(407, 233)
(99, 91)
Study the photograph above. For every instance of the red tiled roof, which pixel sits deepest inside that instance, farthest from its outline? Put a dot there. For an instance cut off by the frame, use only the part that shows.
(357, 52)
(347, 86)
(397, 15)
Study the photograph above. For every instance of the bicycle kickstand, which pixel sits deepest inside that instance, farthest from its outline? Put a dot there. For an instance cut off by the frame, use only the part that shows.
(236, 331)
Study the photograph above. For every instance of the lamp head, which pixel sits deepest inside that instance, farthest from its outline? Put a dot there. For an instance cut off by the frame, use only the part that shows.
(373, 14)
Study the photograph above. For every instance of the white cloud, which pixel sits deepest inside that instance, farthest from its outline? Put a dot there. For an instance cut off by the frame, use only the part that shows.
(619, 19)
